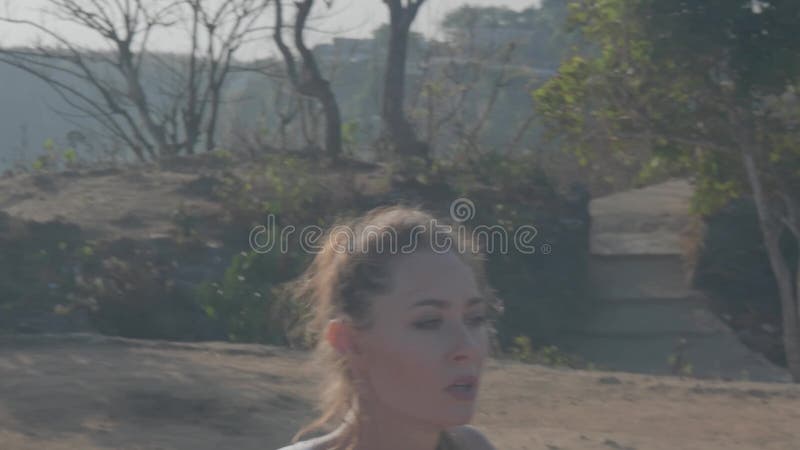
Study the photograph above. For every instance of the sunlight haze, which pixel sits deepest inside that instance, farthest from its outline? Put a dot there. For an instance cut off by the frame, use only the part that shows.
(346, 18)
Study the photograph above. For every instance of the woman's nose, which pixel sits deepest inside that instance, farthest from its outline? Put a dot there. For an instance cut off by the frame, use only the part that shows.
(466, 345)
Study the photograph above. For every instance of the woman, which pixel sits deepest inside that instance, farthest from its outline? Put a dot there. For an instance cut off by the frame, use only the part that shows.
(405, 322)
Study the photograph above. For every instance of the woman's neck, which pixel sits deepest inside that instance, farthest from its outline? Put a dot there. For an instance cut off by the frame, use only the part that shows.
(388, 431)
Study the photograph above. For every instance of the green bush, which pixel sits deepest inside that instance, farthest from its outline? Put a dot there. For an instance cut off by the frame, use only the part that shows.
(248, 297)
(36, 267)
(548, 355)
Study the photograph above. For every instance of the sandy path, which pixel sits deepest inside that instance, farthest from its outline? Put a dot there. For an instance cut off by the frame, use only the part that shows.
(89, 394)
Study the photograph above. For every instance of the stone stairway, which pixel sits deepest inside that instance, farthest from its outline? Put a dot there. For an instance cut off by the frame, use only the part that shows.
(646, 309)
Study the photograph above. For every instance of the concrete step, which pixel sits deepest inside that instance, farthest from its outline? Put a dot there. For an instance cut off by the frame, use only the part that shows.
(638, 276)
(646, 305)
(657, 242)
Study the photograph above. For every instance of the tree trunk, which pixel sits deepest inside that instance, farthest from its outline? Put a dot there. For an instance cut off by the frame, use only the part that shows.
(137, 95)
(788, 295)
(211, 126)
(308, 80)
(333, 123)
(789, 308)
(400, 131)
(394, 80)
(190, 118)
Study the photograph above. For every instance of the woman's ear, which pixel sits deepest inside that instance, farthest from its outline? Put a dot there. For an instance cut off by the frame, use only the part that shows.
(339, 335)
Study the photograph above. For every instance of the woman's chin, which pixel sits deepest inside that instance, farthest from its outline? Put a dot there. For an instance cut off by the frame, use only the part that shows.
(457, 419)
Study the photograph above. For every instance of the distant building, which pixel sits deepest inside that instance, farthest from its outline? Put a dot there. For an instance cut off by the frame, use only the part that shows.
(483, 37)
(345, 49)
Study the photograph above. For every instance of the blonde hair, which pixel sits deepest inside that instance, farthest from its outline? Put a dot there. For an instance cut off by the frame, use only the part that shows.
(339, 284)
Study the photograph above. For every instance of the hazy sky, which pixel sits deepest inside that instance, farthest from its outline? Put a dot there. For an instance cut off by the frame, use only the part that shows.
(355, 18)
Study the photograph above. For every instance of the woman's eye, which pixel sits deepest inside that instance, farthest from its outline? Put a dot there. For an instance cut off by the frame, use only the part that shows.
(428, 324)
(478, 321)
(434, 323)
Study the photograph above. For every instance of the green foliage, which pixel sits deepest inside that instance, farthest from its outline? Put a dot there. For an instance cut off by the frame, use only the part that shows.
(559, 100)
(679, 366)
(54, 158)
(281, 185)
(549, 355)
(702, 86)
(36, 267)
(290, 187)
(250, 300)
(221, 157)
(87, 251)
(522, 349)
(509, 174)
(241, 303)
(250, 297)
(688, 82)
(350, 139)
(70, 156)
(756, 42)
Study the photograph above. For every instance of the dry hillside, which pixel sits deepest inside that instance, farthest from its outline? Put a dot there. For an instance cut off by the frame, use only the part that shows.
(87, 392)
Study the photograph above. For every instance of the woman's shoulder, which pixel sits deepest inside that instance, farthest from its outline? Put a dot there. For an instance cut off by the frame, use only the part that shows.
(297, 446)
(310, 444)
(316, 443)
(302, 445)
(469, 437)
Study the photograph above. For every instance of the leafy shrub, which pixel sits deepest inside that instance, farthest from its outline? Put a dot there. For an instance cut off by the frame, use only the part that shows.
(36, 265)
(548, 355)
(246, 298)
(286, 186)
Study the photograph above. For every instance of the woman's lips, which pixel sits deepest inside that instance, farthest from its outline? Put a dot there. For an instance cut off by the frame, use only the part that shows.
(464, 379)
(467, 393)
(463, 388)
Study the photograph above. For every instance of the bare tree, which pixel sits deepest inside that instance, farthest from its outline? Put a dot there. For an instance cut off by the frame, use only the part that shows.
(308, 80)
(224, 30)
(400, 132)
(459, 92)
(286, 114)
(111, 87)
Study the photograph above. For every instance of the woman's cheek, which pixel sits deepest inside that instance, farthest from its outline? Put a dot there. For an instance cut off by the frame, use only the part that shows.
(415, 351)
(407, 357)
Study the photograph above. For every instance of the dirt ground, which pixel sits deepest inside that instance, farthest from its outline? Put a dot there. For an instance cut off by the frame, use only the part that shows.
(86, 392)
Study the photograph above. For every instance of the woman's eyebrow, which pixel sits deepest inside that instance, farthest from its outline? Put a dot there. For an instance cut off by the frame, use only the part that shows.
(444, 304)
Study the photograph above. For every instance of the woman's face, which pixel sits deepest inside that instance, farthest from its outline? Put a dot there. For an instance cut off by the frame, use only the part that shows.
(427, 330)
